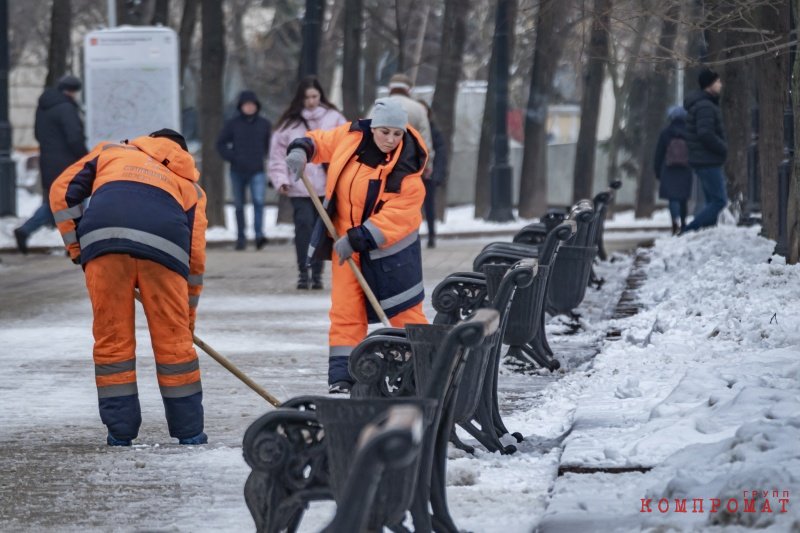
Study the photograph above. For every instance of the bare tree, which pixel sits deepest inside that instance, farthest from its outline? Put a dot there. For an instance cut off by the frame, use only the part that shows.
(351, 58)
(657, 101)
(211, 102)
(550, 34)
(454, 35)
(186, 31)
(583, 177)
(135, 12)
(771, 76)
(60, 29)
(793, 207)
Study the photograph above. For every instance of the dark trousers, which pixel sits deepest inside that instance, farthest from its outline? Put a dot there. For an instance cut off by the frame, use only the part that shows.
(712, 179)
(430, 208)
(678, 210)
(305, 216)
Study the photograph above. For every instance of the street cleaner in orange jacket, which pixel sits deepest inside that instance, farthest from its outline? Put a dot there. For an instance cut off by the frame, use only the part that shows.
(143, 228)
(374, 194)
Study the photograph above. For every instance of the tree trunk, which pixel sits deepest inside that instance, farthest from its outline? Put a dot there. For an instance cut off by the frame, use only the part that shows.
(583, 177)
(454, 36)
(351, 58)
(621, 93)
(60, 29)
(549, 43)
(736, 117)
(186, 32)
(793, 207)
(331, 44)
(771, 76)
(658, 101)
(400, 35)
(160, 13)
(372, 57)
(419, 41)
(483, 185)
(211, 104)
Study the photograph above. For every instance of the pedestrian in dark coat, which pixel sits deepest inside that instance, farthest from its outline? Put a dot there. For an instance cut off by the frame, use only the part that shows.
(705, 137)
(433, 176)
(244, 143)
(59, 130)
(671, 166)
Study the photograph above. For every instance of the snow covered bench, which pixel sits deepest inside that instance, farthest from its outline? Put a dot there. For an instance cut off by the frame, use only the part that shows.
(302, 452)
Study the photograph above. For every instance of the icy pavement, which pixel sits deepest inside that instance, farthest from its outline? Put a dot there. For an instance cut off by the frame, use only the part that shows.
(701, 386)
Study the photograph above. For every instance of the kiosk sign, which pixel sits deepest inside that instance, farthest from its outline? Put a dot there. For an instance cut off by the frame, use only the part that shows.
(132, 82)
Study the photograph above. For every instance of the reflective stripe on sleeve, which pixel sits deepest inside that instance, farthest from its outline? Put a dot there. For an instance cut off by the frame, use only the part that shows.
(70, 237)
(69, 213)
(376, 233)
(195, 279)
(194, 300)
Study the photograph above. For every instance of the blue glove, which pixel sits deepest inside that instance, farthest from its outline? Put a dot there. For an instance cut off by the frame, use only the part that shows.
(296, 161)
(343, 249)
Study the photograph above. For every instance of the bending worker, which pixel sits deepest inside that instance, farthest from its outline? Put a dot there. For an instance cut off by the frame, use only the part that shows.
(143, 228)
(374, 194)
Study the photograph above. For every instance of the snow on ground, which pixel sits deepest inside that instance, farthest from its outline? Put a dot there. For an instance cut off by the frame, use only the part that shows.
(458, 220)
(702, 388)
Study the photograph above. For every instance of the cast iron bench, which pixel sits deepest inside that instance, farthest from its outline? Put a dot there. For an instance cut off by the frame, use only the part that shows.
(302, 453)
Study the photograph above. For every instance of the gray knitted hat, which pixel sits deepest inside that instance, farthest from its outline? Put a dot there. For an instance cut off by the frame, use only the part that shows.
(389, 113)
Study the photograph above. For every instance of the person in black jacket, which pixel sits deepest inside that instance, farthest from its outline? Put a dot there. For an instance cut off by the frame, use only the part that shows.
(705, 137)
(59, 130)
(433, 176)
(671, 166)
(244, 143)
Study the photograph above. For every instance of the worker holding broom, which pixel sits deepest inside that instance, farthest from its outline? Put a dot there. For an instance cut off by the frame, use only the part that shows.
(144, 229)
(374, 195)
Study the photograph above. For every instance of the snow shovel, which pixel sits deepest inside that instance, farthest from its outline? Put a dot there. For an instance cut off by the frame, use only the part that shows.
(357, 271)
(230, 367)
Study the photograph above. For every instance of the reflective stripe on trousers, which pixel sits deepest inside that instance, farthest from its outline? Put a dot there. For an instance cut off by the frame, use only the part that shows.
(111, 280)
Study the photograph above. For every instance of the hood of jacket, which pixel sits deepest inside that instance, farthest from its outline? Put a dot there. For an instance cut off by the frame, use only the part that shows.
(698, 96)
(248, 96)
(52, 97)
(169, 154)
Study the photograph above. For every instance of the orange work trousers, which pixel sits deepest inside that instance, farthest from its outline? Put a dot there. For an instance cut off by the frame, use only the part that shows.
(348, 317)
(112, 280)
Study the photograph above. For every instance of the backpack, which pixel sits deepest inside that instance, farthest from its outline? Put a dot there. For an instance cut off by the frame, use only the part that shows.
(677, 153)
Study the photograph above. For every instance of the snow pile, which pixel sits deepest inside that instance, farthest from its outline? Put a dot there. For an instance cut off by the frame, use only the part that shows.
(703, 387)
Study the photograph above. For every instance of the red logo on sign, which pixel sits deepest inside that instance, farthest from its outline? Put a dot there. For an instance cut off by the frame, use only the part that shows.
(93, 41)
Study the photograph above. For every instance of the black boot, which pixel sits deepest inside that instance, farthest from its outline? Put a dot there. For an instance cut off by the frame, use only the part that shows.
(316, 276)
(22, 241)
(302, 280)
(241, 243)
(675, 227)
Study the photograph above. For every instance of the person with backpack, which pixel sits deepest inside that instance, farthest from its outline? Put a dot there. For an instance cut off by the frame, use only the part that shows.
(671, 165)
(705, 137)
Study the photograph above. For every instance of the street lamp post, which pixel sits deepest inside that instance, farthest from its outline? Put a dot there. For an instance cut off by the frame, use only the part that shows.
(8, 181)
(312, 29)
(500, 173)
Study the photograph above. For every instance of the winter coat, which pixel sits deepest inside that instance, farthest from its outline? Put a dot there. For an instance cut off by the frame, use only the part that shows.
(382, 223)
(418, 118)
(319, 118)
(59, 130)
(244, 139)
(705, 134)
(145, 202)
(439, 174)
(675, 181)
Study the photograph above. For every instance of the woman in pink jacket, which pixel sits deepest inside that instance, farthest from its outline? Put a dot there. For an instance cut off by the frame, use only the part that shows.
(309, 110)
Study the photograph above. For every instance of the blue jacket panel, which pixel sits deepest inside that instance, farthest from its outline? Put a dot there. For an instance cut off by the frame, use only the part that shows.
(122, 208)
